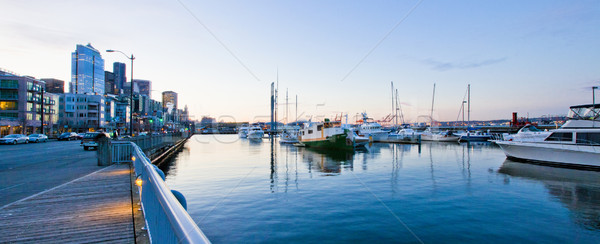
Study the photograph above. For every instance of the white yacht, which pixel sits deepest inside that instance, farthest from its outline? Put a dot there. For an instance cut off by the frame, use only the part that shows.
(470, 136)
(289, 134)
(441, 136)
(406, 135)
(255, 132)
(576, 143)
(243, 132)
(372, 130)
(528, 133)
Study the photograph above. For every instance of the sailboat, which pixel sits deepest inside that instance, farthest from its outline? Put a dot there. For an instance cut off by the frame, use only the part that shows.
(430, 135)
(470, 135)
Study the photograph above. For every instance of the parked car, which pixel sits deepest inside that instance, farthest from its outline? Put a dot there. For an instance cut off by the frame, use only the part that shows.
(14, 139)
(90, 139)
(80, 136)
(67, 136)
(38, 138)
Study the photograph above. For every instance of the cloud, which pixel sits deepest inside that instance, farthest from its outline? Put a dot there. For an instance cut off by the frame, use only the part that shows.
(444, 66)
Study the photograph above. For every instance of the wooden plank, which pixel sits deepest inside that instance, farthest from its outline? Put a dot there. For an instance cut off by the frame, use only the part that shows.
(94, 208)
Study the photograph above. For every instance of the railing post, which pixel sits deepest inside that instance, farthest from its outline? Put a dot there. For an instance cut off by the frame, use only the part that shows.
(104, 152)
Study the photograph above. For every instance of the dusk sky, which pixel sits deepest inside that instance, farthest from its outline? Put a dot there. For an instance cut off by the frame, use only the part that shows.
(530, 57)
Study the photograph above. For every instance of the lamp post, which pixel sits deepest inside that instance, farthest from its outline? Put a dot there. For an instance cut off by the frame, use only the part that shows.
(130, 91)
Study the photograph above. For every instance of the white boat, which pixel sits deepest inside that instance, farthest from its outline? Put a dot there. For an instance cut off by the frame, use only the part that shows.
(406, 135)
(528, 133)
(471, 136)
(441, 136)
(372, 130)
(290, 134)
(576, 143)
(243, 132)
(255, 132)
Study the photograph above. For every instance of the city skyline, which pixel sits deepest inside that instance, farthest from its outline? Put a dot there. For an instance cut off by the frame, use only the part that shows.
(533, 58)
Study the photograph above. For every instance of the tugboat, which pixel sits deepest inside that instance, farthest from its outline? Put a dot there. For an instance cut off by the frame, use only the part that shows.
(328, 135)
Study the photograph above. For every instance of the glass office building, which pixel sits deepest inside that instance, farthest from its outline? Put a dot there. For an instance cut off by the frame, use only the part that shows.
(87, 71)
(120, 76)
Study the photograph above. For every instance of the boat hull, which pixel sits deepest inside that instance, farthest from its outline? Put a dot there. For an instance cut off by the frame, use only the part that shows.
(441, 138)
(560, 154)
(475, 138)
(339, 142)
(255, 135)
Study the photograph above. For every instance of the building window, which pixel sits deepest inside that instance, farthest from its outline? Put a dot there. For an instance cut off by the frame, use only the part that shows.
(9, 115)
(9, 84)
(7, 105)
(9, 94)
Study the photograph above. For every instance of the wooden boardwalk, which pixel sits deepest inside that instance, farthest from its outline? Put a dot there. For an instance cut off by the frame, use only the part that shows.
(94, 208)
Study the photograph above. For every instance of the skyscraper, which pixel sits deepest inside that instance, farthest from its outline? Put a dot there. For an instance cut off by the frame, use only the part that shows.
(120, 76)
(87, 71)
(169, 99)
(54, 85)
(144, 86)
(110, 86)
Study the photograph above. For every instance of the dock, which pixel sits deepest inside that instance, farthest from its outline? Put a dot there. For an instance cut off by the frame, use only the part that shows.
(93, 208)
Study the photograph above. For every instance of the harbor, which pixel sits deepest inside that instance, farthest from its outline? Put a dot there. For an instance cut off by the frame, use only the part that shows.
(242, 190)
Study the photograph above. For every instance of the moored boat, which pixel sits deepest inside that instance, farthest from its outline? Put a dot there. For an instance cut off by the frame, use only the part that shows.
(326, 135)
(471, 136)
(372, 130)
(440, 136)
(406, 135)
(289, 134)
(576, 143)
(243, 131)
(255, 132)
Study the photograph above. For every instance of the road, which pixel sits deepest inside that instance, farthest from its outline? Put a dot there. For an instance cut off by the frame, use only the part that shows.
(27, 169)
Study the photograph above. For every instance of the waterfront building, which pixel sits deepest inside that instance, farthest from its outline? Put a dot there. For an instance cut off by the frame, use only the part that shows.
(144, 87)
(87, 71)
(21, 104)
(169, 101)
(119, 69)
(81, 112)
(110, 86)
(54, 85)
(122, 112)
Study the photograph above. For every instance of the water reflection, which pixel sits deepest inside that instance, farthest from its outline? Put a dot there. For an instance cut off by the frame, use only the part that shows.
(577, 190)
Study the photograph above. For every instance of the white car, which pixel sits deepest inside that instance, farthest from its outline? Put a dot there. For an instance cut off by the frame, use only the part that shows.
(38, 138)
(14, 139)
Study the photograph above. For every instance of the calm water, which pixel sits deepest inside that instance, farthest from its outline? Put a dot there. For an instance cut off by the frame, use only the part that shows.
(241, 191)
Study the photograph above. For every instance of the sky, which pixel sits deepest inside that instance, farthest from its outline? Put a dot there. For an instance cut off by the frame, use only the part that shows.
(536, 58)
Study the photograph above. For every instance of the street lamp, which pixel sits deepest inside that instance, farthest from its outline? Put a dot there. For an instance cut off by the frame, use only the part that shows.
(130, 91)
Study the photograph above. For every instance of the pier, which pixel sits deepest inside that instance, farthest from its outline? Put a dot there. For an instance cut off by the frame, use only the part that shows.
(95, 199)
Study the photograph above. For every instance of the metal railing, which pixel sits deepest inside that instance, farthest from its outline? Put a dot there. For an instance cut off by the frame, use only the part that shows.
(167, 221)
(120, 151)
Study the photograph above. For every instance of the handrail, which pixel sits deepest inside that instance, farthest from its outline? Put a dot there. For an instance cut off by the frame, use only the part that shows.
(166, 219)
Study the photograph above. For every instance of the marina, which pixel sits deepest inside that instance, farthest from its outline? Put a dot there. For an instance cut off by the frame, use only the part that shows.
(240, 190)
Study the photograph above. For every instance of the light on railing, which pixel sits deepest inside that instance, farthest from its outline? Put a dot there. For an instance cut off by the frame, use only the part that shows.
(133, 158)
(138, 181)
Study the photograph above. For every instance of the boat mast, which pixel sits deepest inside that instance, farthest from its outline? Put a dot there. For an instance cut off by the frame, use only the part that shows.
(395, 117)
(468, 105)
(399, 107)
(432, 101)
(296, 107)
(286, 105)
